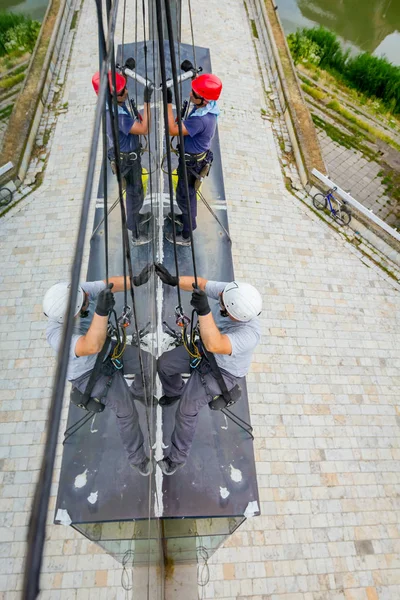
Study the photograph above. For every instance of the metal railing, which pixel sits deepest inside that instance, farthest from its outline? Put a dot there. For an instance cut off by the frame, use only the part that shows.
(357, 205)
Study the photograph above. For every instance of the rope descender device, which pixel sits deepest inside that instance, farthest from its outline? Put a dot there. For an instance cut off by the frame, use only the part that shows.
(126, 317)
(181, 319)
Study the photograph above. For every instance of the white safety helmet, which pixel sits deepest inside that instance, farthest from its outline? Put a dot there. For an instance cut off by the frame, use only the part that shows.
(55, 301)
(242, 301)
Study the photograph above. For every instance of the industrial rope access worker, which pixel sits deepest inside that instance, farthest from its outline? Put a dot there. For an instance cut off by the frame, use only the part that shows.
(94, 301)
(199, 130)
(130, 154)
(231, 331)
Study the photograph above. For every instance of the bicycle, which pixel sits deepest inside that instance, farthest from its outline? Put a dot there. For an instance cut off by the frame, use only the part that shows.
(342, 212)
(6, 195)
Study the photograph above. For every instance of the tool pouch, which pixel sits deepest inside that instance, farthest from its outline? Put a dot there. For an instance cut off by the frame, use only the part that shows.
(79, 399)
(219, 402)
(203, 173)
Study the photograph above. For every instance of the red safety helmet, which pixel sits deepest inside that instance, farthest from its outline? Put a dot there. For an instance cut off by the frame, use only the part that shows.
(208, 86)
(120, 82)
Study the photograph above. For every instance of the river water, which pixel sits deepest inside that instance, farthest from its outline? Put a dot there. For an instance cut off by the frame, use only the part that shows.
(32, 8)
(363, 25)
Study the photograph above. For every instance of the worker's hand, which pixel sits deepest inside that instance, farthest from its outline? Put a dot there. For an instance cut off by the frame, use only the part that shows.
(148, 91)
(165, 276)
(169, 96)
(105, 301)
(199, 302)
(143, 276)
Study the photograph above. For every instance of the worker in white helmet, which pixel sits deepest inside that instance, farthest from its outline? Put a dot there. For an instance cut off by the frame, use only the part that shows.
(230, 330)
(94, 301)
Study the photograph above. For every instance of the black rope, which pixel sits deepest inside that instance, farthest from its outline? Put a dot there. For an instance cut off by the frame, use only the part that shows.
(151, 203)
(192, 34)
(206, 204)
(76, 426)
(235, 419)
(37, 524)
(105, 193)
(109, 211)
(123, 33)
(181, 139)
(168, 148)
(203, 571)
(113, 113)
(129, 557)
(136, 48)
(113, 109)
(178, 29)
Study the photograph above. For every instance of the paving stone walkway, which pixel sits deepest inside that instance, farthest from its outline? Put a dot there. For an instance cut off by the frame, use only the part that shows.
(323, 388)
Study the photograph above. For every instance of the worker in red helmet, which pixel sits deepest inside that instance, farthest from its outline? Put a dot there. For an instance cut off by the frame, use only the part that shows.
(199, 130)
(130, 129)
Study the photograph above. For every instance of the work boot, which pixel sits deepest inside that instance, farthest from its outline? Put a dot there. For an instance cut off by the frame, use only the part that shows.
(168, 400)
(139, 240)
(178, 219)
(145, 468)
(143, 219)
(168, 467)
(180, 239)
(141, 231)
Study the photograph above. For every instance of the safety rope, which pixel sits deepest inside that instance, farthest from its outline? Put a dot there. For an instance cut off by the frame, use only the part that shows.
(179, 116)
(192, 35)
(178, 30)
(105, 178)
(123, 34)
(149, 425)
(102, 45)
(113, 111)
(168, 149)
(37, 524)
(238, 421)
(76, 426)
(126, 250)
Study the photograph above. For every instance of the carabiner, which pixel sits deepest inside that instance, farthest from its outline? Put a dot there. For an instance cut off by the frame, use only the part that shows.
(194, 363)
(117, 363)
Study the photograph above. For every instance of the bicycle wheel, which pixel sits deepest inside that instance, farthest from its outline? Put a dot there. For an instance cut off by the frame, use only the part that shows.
(344, 216)
(5, 196)
(319, 201)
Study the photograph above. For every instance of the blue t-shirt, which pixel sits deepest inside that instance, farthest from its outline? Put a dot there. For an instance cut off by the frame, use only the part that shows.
(128, 142)
(201, 132)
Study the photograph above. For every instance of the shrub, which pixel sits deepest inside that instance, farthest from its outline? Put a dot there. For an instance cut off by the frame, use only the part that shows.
(373, 76)
(302, 48)
(18, 33)
(9, 82)
(316, 94)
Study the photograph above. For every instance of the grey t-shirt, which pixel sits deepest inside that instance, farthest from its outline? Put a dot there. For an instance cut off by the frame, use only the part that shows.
(78, 365)
(244, 337)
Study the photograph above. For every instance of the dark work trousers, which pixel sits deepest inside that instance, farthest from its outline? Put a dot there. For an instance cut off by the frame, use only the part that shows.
(120, 396)
(132, 172)
(199, 389)
(192, 165)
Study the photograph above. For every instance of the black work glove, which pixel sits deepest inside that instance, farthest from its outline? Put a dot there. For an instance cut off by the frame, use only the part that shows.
(165, 276)
(169, 96)
(143, 276)
(199, 302)
(105, 301)
(148, 91)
